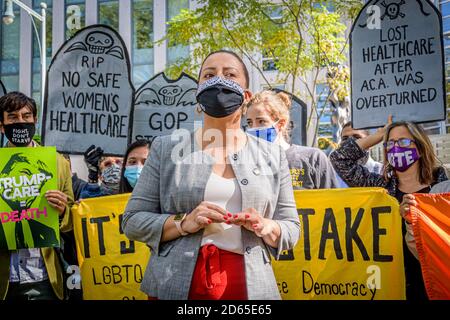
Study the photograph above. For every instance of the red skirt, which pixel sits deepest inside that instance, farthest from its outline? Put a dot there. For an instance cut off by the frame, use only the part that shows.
(218, 275)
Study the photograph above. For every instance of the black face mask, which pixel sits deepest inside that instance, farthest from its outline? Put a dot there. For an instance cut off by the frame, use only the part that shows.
(220, 97)
(20, 134)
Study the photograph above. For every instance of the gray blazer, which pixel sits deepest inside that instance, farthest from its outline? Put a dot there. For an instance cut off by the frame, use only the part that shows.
(173, 181)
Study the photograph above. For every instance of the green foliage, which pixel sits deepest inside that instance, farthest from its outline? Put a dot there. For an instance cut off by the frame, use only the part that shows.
(303, 37)
(300, 35)
(37, 138)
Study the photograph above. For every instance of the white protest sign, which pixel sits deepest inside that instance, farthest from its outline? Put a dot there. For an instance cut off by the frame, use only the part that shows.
(89, 94)
(397, 63)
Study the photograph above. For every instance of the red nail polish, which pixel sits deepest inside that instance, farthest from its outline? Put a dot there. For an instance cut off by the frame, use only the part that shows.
(230, 215)
(236, 216)
(209, 221)
(225, 217)
(255, 226)
(247, 216)
(228, 222)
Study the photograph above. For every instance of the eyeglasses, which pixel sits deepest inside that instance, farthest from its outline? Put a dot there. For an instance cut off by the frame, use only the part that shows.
(355, 136)
(404, 143)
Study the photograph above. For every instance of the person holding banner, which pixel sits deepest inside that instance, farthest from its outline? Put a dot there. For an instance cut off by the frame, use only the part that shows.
(33, 274)
(410, 200)
(213, 203)
(410, 166)
(268, 116)
(134, 162)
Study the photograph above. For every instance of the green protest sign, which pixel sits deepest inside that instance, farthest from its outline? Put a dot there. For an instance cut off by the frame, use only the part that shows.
(26, 218)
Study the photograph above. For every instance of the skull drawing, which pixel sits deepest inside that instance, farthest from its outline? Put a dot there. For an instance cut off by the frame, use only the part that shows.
(98, 42)
(392, 10)
(169, 94)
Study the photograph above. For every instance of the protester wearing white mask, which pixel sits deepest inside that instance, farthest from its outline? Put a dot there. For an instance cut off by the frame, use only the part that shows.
(267, 116)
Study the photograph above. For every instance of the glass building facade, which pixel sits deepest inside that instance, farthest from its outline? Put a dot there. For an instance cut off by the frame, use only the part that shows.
(20, 63)
(445, 11)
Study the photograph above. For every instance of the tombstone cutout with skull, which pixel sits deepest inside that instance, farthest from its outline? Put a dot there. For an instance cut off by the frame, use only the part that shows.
(98, 42)
(169, 94)
(92, 63)
(405, 30)
(392, 10)
(163, 105)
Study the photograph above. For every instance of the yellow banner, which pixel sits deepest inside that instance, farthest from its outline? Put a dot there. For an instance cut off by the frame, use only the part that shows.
(350, 247)
(111, 266)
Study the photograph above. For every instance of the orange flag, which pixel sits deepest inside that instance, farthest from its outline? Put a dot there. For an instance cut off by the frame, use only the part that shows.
(431, 225)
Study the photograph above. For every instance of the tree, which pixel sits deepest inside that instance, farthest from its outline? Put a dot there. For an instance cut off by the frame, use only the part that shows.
(304, 38)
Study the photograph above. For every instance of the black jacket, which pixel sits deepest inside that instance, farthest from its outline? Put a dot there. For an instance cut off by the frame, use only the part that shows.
(345, 162)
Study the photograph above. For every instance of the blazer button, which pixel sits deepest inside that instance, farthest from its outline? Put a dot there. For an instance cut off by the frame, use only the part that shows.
(244, 182)
(235, 157)
(248, 249)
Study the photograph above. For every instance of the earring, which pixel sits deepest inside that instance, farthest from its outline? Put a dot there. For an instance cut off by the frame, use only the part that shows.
(198, 109)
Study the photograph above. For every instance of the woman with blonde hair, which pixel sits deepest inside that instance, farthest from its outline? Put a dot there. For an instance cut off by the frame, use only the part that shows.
(268, 117)
(410, 166)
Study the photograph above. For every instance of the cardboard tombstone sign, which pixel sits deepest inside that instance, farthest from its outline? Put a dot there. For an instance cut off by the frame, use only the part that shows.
(397, 63)
(298, 115)
(89, 94)
(297, 125)
(163, 105)
(2, 89)
(2, 93)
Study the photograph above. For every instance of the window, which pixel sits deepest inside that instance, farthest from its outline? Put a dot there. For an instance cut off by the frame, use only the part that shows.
(74, 16)
(108, 13)
(143, 55)
(446, 23)
(445, 9)
(324, 111)
(447, 40)
(447, 55)
(432, 128)
(268, 61)
(10, 51)
(36, 79)
(280, 86)
(327, 4)
(177, 52)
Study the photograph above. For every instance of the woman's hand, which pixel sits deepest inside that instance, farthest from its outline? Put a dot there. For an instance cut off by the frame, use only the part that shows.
(251, 220)
(374, 139)
(267, 229)
(405, 211)
(57, 200)
(205, 214)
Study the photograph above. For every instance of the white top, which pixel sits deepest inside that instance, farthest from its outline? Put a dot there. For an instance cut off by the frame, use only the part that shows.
(226, 194)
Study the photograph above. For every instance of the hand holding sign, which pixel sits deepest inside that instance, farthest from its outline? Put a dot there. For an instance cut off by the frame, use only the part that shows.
(408, 200)
(57, 200)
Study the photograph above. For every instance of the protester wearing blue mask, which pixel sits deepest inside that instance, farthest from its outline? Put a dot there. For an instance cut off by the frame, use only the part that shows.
(268, 116)
(134, 160)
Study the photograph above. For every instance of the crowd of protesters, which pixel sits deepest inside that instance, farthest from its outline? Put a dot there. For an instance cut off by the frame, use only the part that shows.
(225, 205)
